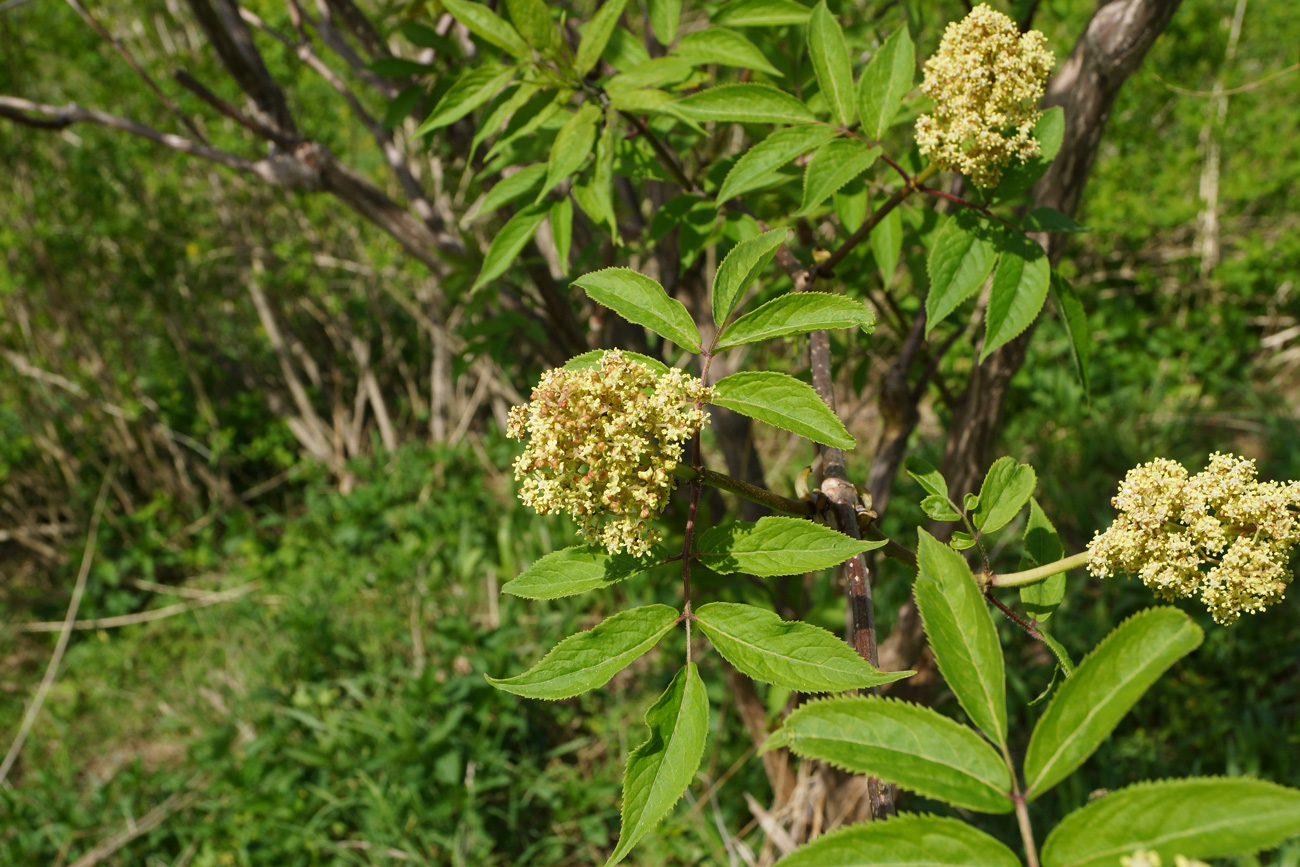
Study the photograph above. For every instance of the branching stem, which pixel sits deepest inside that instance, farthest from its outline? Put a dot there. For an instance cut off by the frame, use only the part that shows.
(1040, 573)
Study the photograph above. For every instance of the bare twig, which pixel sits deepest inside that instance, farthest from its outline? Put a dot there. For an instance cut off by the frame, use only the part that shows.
(215, 598)
(110, 846)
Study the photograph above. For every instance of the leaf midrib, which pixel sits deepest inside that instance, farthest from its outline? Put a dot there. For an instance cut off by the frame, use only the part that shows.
(990, 784)
(762, 651)
(985, 686)
(1165, 838)
(651, 640)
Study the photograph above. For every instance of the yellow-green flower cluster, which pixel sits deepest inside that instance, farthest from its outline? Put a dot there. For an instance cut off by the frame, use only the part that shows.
(1221, 534)
(1144, 858)
(603, 444)
(986, 81)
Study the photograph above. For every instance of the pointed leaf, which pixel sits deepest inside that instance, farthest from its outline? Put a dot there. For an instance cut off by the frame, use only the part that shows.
(1020, 176)
(887, 244)
(786, 653)
(1019, 290)
(591, 360)
(962, 635)
(939, 508)
(660, 770)
(885, 81)
(1206, 817)
(475, 86)
(534, 114)
(512, 187)
(1102, 689)
(904, 841)
(927, 476)
(1076, 325)
(572, 145)
(960, 261)
(830, 57)
(506, 246)
(725, 48)
(761, 13)
(664, 15)
(912, 746)
(488, 26)
(589, 659)
(777, 546)
(1049, 220)
(533, 21)
(595, 36)
(639, 299)
(758, 164)
(740, 268)
(1007, 486)
(834, 165)
(509, 101)
(746, 103)
(561, 218)
(785, 402)
(799, 313)
(570, 571)
(1042, 546)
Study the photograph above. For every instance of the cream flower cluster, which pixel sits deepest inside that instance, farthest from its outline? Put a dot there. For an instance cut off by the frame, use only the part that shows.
(1221, 534)
(603, 444)
(1144, 858)
(986, 81)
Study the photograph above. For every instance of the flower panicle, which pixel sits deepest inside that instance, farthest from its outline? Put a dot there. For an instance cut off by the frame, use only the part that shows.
(986, 80)
(602, 445)
(1221, 534)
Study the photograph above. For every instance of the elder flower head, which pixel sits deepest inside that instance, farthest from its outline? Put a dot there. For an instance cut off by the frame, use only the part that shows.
(1221, 534)
(603, 444)
(986, 81)
(1145, 858)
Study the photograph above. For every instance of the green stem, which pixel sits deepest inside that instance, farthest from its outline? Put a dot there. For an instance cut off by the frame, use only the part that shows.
(753, 493)
(1041, 573)
(1022, 812)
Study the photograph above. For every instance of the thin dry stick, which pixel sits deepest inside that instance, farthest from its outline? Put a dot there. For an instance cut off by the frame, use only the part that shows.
(155, 817)
(208, 600)
(69, 619)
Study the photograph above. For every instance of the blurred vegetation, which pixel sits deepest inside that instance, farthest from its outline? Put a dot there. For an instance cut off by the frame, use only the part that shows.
(335, 712)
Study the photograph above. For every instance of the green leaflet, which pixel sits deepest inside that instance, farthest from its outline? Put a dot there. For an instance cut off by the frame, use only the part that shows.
(758, 164)
(561, 218)
(786, 653)
(776, 546)
(502, 109)
(507, 243)
(746, 103)
(402, 105)
(761, 13)
(834, 165)
(830, 57)
(1205, 817)
(1042, 546)
(664, 15)
(740, 268)
(1102, 689)
(572, 145)
(488, 26)
(785, 402)
(660, 770)
(475, 86)
(529, 118)
(887, 244)
(591, 360)
(512, 187)
(939, 508)
(639, 299)
(850, 206)
(885, 81)
(959, 262)
(595, 36)
(1007, 486)
(1076, 325)
(1049, 220)
(904, 841)
(927, 477)
(589, 659)
(570, 571)
(533, 21)
(962, 635)
(1019, 290)
(797, 314)
(912, 746)
(1020, 176)
(725, 48)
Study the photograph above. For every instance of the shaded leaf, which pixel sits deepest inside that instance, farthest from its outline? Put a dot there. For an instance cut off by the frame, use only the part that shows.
(488, 26)
(1049, 220)
(788, 653)
(570, 571)
(834, 165)
(512, 187)
(1076, 326)
(758, 164)
(725, 48)
(664, 15)
(572, 145)
(1042, 546)
(785, 402)
(589, 659)
(904, 841)
(740, 268)
(1019, 290)
(639, 299)
(1007, 486)
(885, 81)
(776, 546)
(507, 244)
(561, 218)
(960, 261)
(595, 36)
(761, 13)
(830, 57)
(799, 313)
(1102, 689)
(962, 635)
(1020, 176)
(887, 244)
(746, 103)
(912, 746)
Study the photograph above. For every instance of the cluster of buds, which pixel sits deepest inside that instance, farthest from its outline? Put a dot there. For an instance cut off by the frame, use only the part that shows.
(1144, 858)
(603, 444)
(1221, 534)
(986, 81)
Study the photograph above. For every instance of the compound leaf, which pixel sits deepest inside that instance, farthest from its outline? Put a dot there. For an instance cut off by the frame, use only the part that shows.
(785, 402)
(797, 313)
(777, 546)
(639, 299)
